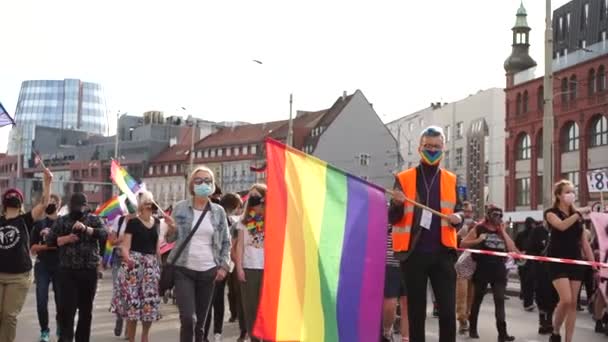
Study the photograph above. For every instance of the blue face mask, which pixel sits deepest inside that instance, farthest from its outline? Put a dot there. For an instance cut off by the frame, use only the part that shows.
(203, 190)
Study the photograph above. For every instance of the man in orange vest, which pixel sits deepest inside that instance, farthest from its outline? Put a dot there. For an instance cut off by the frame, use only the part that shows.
(424, 242)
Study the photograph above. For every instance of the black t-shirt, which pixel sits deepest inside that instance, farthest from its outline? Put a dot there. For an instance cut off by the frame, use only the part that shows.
(567, 243)
(490, 267)
(143, 239)
(49, 257)
(15, 243)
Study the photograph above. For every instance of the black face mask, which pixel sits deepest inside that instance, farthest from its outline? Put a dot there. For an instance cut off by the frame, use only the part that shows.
(254, 201)
(12, 202)
(51, 209)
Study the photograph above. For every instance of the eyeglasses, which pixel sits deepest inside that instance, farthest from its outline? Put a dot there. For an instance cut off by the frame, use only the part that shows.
(199, 181)
(496, 215)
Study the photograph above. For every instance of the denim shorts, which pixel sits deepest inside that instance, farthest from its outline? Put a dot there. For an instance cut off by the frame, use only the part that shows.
(394, 283)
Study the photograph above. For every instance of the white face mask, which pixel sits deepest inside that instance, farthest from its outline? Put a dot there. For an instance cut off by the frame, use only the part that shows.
(569, 198)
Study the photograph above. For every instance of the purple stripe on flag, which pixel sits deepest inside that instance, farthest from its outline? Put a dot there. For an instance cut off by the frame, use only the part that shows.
(372, 289)
(352, 263)
(5, 118)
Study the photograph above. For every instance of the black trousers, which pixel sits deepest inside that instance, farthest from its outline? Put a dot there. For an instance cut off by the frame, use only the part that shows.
(217, 307)
(499, 288)
(588, 284)
(526, 279)
(439, 268)
(77, 288)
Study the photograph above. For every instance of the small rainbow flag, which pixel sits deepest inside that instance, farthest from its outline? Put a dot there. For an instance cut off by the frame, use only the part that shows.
(125, 183)
(107, 253)
(325, 245)
(113, 208)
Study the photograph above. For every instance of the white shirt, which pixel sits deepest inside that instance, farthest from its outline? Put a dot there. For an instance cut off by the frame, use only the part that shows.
(253, 256)
(121, 230)
(200, 252)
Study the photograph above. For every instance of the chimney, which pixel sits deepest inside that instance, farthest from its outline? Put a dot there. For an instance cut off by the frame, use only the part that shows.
(344, 95)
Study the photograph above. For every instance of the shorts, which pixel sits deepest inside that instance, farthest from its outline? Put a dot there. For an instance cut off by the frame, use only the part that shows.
(571, 272)
(394, 283)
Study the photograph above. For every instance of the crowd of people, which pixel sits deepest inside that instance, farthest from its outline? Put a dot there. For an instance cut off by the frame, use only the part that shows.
(217, 243)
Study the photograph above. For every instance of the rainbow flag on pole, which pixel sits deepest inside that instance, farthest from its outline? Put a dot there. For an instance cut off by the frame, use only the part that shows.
(325, 249)
(113, 208)
(125, 183)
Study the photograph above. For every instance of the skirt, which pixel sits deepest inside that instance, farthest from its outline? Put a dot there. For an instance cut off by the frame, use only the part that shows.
(136, 296)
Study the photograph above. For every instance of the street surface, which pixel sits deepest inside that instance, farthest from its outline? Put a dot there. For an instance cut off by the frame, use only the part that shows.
(521, 324)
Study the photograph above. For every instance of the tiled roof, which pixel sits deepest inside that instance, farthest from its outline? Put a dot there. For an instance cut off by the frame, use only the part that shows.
(303, 124)
(239, 135)
(175, 153)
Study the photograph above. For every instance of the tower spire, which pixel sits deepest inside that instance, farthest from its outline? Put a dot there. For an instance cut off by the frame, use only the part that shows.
(520, 56)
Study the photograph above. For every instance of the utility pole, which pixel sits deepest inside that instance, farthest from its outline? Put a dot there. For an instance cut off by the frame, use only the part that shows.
(290, 125)
(399, 160)
(192, 128)
(548, 120)
(116, 140)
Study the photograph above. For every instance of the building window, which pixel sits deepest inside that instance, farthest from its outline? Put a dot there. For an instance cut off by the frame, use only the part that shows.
(460, 130)
(166, 169)
(364, 159)
(459, 157)
(572, 88)
(525, 102)
(446, 159)
(409, 147)
(591, 82)
(570, 137)
(245, 150)
(564, 90)
(206, 154)
(236, 151)
(228, 152)
(212, 153)
(421, 123)
(539, 144)
(585, 16)
(524, 149)
(603, 9)
(411, 126)
(448, 133)
(601, 78)
(174, 168)
(523, 191)
(519, 104)
(561, 26)
(540, 98)
(85, 173)
(151, 170)
(599, 131)
(254, 149)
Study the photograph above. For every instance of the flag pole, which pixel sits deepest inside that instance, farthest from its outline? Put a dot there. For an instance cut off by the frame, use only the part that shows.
(419, 205)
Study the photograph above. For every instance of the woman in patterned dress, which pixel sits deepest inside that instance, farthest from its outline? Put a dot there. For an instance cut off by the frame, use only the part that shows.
(138, 297)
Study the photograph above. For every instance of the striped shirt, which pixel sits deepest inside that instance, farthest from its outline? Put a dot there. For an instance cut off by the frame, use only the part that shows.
(390, 255)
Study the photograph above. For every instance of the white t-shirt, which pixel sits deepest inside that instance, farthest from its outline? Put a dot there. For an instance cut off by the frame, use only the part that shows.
(253, 256)
(120, 230)
(200, 252)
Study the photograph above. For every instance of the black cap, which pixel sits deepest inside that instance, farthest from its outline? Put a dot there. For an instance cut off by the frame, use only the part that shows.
(78, 200)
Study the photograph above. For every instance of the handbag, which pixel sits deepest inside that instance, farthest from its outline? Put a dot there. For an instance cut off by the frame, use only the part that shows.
(465, 266)
(167, 274)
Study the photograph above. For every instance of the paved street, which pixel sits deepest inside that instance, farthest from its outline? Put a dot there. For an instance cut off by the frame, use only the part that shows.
(521, 324)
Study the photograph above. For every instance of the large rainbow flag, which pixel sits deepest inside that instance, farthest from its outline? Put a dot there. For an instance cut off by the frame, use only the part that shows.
(325, 245)
(113, 208)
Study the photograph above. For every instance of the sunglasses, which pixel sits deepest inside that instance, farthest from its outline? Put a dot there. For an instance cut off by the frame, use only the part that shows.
(199, 181)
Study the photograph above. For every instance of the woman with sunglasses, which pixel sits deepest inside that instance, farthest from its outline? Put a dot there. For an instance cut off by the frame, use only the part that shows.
(566, 241)
(250, 254)
(490, 235)
(137, 298)
(205, 259)
(15, 260)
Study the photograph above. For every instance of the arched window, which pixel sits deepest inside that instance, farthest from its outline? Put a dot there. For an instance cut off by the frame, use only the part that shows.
(519, 105)
(573, 86)
(539, 144)
(524, 149)
(591, 82)
(525, 105)
(601, 79)
(540, 98)
(564, 90)
(570, 137)
(599, 131)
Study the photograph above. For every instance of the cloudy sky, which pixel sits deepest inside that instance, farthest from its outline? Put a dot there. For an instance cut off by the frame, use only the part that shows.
(198, 54)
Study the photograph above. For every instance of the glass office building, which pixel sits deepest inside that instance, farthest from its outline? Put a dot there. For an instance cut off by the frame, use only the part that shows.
(68, 104)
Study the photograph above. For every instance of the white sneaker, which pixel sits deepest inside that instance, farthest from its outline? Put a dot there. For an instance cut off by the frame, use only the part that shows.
(218, 338)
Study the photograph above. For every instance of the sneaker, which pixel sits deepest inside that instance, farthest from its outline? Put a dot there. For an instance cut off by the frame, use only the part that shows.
(506, 338)
(232, 319)
(555, 338)
(118, 327)
(473, 334)
(45, 336)
(530, 308)
(217, 338)
(545, 330)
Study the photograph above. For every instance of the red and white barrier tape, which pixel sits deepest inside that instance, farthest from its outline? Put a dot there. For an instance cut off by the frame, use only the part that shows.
(535, 258)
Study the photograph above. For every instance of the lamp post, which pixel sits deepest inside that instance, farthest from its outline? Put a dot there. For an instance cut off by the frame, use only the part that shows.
(548, 120)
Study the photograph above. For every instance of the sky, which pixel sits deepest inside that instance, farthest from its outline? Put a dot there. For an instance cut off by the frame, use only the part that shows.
(164, 55)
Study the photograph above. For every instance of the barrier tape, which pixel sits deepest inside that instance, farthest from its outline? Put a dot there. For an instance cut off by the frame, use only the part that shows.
(536, 258)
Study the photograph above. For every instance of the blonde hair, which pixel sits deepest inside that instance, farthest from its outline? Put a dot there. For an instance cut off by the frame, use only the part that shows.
(558, 188)
(144, 197)
(197, 170)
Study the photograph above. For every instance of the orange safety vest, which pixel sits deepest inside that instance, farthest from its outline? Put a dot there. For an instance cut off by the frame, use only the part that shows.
(402, 229)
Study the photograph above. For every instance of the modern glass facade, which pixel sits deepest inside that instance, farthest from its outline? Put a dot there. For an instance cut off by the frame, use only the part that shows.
(68, 104)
